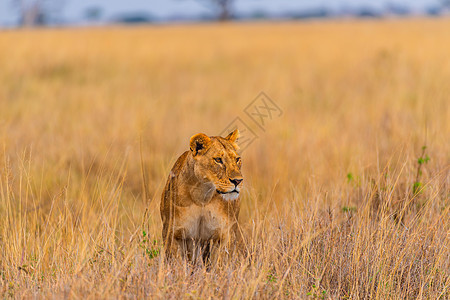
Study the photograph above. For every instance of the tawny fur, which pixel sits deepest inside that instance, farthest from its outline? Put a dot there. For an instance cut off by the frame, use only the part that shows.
(201, 199)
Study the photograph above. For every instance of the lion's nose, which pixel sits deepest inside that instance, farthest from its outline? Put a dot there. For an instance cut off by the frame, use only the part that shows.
(236, 181)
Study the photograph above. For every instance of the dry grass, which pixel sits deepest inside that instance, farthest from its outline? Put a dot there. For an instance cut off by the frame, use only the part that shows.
(329, 209)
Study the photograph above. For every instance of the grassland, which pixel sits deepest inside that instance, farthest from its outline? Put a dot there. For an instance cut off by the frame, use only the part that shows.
(330, 209)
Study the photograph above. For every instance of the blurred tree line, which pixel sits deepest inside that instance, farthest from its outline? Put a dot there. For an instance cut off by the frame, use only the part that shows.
(47, 12)
(38, 12)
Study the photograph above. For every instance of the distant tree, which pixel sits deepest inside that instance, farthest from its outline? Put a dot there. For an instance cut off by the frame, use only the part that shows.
(38, 12)
(222, 6)
(93, 13)
(225, 9)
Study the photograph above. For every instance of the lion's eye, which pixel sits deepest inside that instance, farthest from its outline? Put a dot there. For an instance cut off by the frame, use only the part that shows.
(238, 159)
(218, 160)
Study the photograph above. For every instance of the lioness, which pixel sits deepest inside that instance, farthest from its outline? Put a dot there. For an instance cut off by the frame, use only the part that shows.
(200, 202)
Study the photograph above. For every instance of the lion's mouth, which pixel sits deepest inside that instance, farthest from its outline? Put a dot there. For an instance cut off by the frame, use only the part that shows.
(223, 193)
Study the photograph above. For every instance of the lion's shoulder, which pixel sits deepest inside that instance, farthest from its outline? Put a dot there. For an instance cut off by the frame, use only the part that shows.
(179, 164)
(172, 185)
(173, 181)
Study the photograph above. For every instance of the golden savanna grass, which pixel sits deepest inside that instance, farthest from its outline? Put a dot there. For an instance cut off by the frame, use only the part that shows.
(91, 121)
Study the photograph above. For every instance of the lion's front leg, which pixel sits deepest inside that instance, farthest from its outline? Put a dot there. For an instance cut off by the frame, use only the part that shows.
(179, 245)
(171, 247)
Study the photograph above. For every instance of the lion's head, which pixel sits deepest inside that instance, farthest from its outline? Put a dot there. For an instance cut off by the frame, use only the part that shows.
(216, 161)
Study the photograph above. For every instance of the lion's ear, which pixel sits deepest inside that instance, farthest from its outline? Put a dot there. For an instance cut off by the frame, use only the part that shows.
(233, 136)
(199, 143)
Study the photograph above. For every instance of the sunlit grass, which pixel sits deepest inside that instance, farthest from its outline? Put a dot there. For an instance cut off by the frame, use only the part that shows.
(332, 208)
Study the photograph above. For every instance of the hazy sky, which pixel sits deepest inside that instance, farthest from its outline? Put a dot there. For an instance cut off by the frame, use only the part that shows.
(74, 9)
